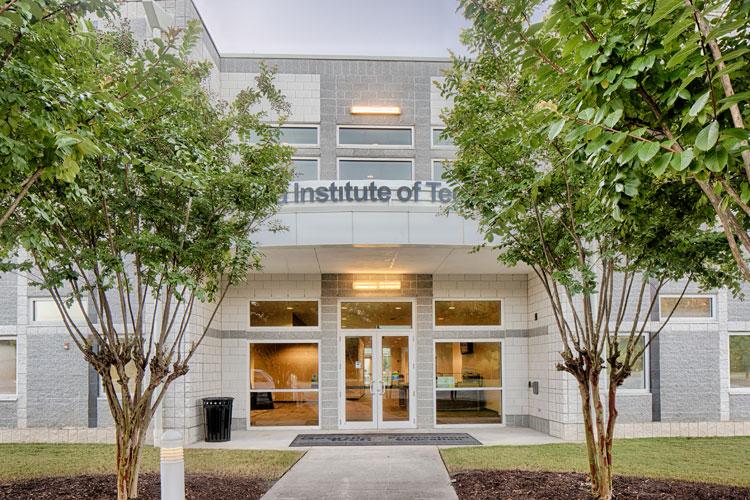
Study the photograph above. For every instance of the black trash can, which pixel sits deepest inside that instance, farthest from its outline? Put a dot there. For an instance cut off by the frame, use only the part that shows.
(217, 419)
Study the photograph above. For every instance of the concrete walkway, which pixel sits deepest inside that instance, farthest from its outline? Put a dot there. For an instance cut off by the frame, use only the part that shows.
(279, 439)
(366, 472)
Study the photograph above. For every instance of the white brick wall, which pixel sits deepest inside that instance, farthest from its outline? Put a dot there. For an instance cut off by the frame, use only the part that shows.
(302, 92)
(437, 102)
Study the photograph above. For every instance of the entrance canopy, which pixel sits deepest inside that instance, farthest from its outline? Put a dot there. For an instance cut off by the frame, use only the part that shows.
(384, 259)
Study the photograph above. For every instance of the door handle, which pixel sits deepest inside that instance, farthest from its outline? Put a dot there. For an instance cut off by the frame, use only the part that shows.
(382, 387)
(372, 383)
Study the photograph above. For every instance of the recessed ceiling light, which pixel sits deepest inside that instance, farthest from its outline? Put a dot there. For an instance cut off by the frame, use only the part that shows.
(289, 308)
(452, 307)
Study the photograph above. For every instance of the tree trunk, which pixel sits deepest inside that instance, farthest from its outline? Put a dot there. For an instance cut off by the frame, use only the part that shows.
(588, 427)
(130, 439)
(604, 476)
(598, 447)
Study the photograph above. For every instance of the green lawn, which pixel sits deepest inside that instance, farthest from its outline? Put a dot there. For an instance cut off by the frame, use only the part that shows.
(22, 461)
(710, 460)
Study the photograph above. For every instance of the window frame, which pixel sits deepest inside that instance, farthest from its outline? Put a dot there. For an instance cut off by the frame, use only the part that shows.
(339, 144)
(432, 170)
(734, 390)
(317, 166)
(435, 388)
(283, 328)
(501, 326)
(689, 319)
(646, 389)
(316, 126)
(365, 331)
(248, 391)
(12, 396)
(32, 311)
(433, 128)
(360, 158)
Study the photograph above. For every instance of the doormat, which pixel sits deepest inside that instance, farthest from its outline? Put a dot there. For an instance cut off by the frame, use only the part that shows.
(392, 439)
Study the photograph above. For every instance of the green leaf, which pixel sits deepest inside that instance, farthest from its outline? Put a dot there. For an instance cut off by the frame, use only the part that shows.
(647, 150)
(555, 128)
(660, 165)
(699, 104)
(685, 158)
(587, 50)
(663, 9)
(629, 84)
(612, 118)
(716, 160)
(707, 137)
(745, 192)
(587, 114)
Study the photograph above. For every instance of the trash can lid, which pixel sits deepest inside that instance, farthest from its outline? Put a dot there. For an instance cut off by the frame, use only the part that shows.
(217, 400)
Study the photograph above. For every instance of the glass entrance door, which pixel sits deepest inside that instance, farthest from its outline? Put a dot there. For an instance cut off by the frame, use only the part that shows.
(376, 376)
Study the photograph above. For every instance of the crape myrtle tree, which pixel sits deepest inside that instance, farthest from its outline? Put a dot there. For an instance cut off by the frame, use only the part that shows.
(663, 82)
(602, 249)
(50, 98)
(155, 225)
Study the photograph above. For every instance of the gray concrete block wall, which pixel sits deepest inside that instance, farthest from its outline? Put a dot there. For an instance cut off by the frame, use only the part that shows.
(8, 414)
(689, 372)
(345, 82)
(8, 298)
(739, 407)
(57, 380)
(633, 407)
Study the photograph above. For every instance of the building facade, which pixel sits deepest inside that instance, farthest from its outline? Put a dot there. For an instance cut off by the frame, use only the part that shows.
(373, 311)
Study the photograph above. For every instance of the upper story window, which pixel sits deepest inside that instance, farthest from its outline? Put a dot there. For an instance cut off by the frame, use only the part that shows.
(468, 313)
(45, 310)
(299, 135)
(283, 313)
(365, 315)
(305, 169)
(439, 140)
(8, 367)
(438, 168)
(690, 307)
(376, 137)
(354, 169)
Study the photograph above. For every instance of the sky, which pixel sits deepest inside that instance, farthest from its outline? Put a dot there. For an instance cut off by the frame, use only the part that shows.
(409, 28)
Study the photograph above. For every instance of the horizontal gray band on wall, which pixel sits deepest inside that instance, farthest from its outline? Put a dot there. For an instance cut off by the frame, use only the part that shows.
(420, 333)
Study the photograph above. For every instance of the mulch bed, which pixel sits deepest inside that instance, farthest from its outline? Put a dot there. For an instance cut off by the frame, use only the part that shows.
(198, 486)
(532, 485)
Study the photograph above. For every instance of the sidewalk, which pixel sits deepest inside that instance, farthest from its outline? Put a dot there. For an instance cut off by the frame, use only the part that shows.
(364, 473)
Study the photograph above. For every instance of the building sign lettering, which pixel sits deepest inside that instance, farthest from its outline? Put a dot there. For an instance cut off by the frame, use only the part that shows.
(429, 191)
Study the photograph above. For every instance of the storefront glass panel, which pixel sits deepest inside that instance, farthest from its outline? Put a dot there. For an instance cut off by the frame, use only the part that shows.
(376, 315)
(283, 313)
(468, 407)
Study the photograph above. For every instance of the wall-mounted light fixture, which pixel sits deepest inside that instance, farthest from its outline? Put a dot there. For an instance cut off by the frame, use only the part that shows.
(376, 285)
(375, 110)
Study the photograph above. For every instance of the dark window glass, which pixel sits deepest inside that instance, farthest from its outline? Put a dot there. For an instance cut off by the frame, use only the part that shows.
(467, 313)
(467, 364)
(356, 136)
(469, 407)
(283, 313)
(375, 315)
(739, 361)
(353, 170)
(689, 307)
(305, 169)
(438, 139)
(305, 136)
(7, 366)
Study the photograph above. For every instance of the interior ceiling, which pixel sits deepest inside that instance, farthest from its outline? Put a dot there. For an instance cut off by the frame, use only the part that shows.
(379, 259)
